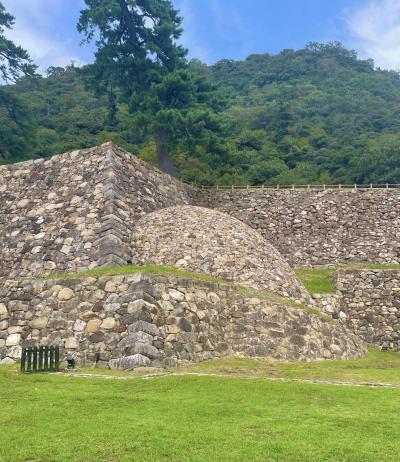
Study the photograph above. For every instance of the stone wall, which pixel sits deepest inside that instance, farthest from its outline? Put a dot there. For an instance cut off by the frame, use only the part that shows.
(143, 320)
(77, 210)
(211, 242)
(371, 301)
(311, 227)
(330, 304)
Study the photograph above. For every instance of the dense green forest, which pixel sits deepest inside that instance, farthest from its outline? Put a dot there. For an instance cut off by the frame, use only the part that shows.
(316, 115)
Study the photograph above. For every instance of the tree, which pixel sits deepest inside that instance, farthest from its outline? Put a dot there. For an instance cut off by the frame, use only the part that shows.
(14, 60)
(16, 123)
(138, 57)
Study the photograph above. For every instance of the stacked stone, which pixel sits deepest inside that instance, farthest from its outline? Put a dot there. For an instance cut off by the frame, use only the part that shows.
(371, 301)
(113, 234)
(330, 304)
(319, 227)
(77, 210)
(149, 320)
(49, 211)
(200, 239)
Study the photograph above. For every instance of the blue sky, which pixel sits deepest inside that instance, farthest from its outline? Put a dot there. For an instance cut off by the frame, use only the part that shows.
(233, 29)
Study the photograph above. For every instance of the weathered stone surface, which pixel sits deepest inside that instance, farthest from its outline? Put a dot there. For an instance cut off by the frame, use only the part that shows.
(39, 323)
(13, 340)
(108, 323)
(132, 339)
(208, 320)
(87, 315)
(65, 294)
(318, 227)
(99, 194)
(146, 350)
(129, 363)
(370, 305)
(3, 311)
(143, 326)
(207, 241)
(76, 210)
(93, 326)
(71, 343)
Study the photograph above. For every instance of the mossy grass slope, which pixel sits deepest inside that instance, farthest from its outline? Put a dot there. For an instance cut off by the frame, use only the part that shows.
(377, 367)
(317, 280)
(180, 273)
(321, 280)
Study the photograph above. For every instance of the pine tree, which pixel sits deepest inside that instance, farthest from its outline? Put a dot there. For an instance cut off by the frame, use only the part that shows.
(138, 58)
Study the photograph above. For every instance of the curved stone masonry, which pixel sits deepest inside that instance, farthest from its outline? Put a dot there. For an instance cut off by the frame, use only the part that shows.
(319, 228)
(157, 320)
(80, 209)
(208, 241)
(77, 210)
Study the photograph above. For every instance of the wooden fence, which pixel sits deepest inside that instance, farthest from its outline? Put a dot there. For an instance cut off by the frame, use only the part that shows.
(40, 359)
(319, 187)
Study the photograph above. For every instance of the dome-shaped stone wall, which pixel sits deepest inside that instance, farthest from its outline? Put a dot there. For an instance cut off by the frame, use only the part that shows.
(204, 240)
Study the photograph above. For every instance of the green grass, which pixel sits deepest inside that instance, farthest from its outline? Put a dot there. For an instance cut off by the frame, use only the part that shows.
(47, 418)
(376, 367)
(317, 280)
(133, 269)
(320, 280)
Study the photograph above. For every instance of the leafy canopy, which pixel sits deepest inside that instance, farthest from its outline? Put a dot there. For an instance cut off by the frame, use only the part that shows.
(14, 60)
(138, 58)
(315, 115)
(16, 122)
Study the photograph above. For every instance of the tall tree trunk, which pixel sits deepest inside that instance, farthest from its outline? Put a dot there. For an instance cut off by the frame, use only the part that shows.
(163, 157)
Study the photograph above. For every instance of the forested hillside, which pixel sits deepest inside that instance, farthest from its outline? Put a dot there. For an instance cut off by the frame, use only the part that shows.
(316, 115)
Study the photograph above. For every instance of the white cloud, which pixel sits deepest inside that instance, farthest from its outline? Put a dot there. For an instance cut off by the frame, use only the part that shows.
(375, 31)
(34, 31)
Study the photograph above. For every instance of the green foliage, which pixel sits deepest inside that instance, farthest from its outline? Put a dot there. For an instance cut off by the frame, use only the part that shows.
(17, 129)
(14, 60)
(313, 116)
(139, 63)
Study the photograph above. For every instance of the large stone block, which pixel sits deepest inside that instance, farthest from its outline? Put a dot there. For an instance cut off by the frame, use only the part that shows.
(143, 326)
(129, 363)
(13, 340)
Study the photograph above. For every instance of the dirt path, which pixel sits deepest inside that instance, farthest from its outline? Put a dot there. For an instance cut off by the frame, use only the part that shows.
(226, 376)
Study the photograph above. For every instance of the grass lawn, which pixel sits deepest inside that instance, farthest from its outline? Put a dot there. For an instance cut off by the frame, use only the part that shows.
(377, 367)
(317, 280)
(50, 418)
(320, 281)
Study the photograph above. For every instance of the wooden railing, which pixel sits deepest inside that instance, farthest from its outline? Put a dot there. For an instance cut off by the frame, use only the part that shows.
(320, 187)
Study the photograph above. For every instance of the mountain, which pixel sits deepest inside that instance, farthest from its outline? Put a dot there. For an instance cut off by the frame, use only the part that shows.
(315, 115)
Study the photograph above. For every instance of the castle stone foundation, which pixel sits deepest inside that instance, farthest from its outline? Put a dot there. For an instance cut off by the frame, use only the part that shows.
(153, 320)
